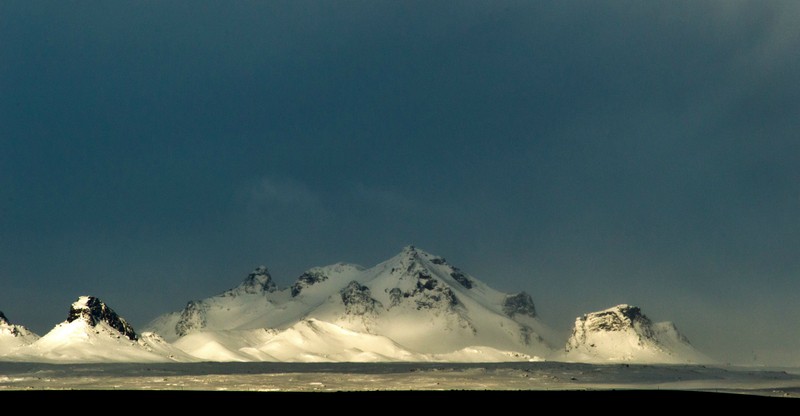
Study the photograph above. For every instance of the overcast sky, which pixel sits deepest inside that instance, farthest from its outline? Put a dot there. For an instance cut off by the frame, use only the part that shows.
(590, 153)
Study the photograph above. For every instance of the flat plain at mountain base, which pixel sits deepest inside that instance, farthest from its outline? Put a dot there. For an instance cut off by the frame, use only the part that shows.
(333, 377)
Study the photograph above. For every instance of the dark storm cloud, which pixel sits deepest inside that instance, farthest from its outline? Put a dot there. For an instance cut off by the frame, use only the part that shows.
(590, 153)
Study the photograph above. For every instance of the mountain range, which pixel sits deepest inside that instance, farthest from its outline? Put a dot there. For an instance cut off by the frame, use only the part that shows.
(413, 307)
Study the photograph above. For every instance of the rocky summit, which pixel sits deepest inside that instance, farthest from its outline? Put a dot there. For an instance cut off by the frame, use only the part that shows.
(93, 311)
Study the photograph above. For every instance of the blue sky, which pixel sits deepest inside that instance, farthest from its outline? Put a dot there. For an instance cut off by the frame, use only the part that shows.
(589, 153)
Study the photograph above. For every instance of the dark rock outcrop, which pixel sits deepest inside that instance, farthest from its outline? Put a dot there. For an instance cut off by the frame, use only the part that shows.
(617, 319)
(519, 304)
(461, 278)
(93, 311)
(307, 279)
(258, 281)
(396, 296)
(429, 294)
(193, 317)
(357, 299)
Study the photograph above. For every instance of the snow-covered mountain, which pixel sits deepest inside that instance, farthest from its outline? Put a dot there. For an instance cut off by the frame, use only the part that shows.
(623, 334)
(13, 336)
(412, 306)
(93, 332)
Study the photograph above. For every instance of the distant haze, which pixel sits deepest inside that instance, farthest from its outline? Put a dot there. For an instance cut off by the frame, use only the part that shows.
(590, 153)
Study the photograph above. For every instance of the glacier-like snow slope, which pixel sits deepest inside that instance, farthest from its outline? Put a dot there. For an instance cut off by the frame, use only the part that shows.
(311, 340)
(414, 306)
(13, 336)
(623, 334)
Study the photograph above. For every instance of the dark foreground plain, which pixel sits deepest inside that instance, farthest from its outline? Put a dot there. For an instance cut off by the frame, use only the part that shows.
(396, 402)
(220, 382)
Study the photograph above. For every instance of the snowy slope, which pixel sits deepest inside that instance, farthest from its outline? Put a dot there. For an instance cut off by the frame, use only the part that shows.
(623, 334)
(311, 340)
(154, 343)
(13, 336)
(93, 332)
(416, 302)
(306, 341)
(243, 307)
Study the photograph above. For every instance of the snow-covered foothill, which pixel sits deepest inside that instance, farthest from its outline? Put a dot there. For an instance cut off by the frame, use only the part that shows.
(92, 332)
(624, 334)
(13, 336)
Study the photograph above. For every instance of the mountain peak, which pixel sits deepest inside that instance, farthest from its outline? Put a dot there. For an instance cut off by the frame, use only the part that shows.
(258, 281)
(413, 255)
(412, 251)
(93, 311)
(13, 336)
(408, 253)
